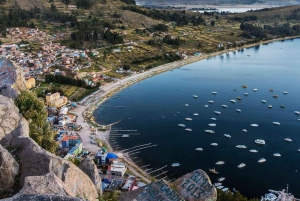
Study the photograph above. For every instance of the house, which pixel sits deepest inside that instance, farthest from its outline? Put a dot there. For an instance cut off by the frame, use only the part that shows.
(56, 100)
(117, 168)
(76, 150)
(101, 157)
(130, 183)
(30, 83)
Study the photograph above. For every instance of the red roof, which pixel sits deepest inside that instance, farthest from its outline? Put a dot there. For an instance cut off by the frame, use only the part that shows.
(66, 138)
(73, 137)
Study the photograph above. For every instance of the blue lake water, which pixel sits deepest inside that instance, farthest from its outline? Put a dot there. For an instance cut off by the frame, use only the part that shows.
(156, 106)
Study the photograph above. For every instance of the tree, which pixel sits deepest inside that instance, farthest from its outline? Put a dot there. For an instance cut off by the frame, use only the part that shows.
(213, 23)
(126, 67)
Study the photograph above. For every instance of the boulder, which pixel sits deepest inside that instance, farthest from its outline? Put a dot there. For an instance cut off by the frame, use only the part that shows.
(90, 169)
(9, 169)
(9, 116)
(196, 186)
(34, 197)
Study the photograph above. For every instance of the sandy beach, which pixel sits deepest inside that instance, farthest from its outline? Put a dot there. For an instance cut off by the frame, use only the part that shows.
(91, 102)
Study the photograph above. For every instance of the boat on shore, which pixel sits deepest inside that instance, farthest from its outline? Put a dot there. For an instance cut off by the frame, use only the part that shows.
(241, 146)
(214, 144)
(259, 141)
(213, 171)
(262, 160)
(220, 163)
(228, 136)
(241, 165)
(276, 123)
(217, 112)
(199, 149)
(181, 125)
(253, 150)
(175, 164)
(238, 110)
(209, 131)
(277, 154)
(288, 139)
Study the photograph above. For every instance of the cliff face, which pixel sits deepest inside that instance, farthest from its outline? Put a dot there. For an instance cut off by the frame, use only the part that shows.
(40, 172)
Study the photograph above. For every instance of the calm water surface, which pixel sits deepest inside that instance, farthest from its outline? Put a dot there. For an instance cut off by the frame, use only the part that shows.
(154, 107)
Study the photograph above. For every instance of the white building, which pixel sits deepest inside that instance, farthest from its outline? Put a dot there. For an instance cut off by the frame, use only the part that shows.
(117, 168)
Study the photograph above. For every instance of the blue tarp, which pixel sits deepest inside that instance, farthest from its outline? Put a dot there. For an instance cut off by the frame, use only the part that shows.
(111, 155)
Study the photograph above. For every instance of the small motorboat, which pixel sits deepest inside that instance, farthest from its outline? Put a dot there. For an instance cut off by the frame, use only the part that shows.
(228, 136)
(271, 90)
(188, 119)
(239, 98)
(214, 92)
(285, 92)
(275, 96)
(217, 184)
(225, 189)
(212, 124)
(209, 131)
(221, 179)
(186, 105)
(224, 106)
(195, 96)
(297, 112)
(210, 101)
(241, 165)
(254, 89)
(238, 110)
(244, 130)
(270, 106)
(276, 123)
(263, 101)
(246, 94)
(214, 119)
(220, 163)
(213, 171)
(175, 164)
(189, 129)
(253, 150)
(220, 187)
(282, 106)
(205, 105)
(196, 114)
(199, 149)
(233, 101)
(181, 125)
(214, 144)
(217, 112)
(259, 141)
(277, 154)
(254, 125)
(288, 139)
(241, 146)
(125, 135)
(262, 160)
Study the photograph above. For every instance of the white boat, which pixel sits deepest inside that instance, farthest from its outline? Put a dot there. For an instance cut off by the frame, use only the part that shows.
(125, 135)
(225, 189)
(209, 131)
(220, 163)
(244, 130)
(195, 96)
(199, 149)
(270, 106)
(277, 154)
(233, 101)
(221, 179)
(238, 110)
(214, 144)
(297, 112)
(186, 105)
(254, 89)
(288, 139)
(241, 165)
(210, 101)
(195, 114)
(246, 94)
(254, 125)
(276, 123)
(217, 112)
(262, 160)
(253, 150)
(217, 184)
(259, 141)
(263, 101)
(205, 105)
(241, 146)
(214, 119)
(181, 125)
(220, 187)
(299, 150)
(224, 106)
(285, 92)
(214, 92)
(188, 119)
(228, 136)
(212, 124)
(188, 129)
(175, 164)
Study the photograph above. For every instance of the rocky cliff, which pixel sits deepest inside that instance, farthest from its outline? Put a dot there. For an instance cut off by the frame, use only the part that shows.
(39, 174)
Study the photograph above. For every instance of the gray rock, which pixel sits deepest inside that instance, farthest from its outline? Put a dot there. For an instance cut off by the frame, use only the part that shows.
(34, 197)
(90, 169)
(9, 169)
(196, 186)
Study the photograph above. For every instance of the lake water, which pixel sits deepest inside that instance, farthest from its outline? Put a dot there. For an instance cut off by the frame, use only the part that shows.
(155, 106)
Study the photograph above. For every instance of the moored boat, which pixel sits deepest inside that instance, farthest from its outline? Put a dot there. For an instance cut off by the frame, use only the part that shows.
(270, 106)
(241, 165)
(288, 139)
(196, 114)
(209, 131)
(277, 154)
(181, 125)
(186, 105)
(212, 124)
(262, 160)
(217, 112)
(276, 123)
(213, 171)
(241, 146)
(253, 150)
(254, 89)
(246, 94)
(238, 110)
(189, 129)
(214, 144)
(228, 136)
(188, 119)
(221, 179)
(259, 141)
(297, 112)
(285, 92)
(225, 189)
(244, 130)
(224, 106)
(214, 119)
(220, 187)
(233, 101)
(217, 184)
(239, 98)
(125, 135)
(199, 149)
(254, 125)
(214, 92)
(205, 105)
(263, 101)
(195, 96)
(210, 101)
(175, 164)
(220, 163)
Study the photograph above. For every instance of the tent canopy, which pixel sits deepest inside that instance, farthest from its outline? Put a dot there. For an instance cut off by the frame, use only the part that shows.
(111, 155)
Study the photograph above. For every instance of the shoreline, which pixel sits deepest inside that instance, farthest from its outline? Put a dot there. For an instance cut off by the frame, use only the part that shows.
(94, 101)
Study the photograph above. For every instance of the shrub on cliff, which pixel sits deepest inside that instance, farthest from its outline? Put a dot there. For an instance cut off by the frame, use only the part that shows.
(33, 110)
